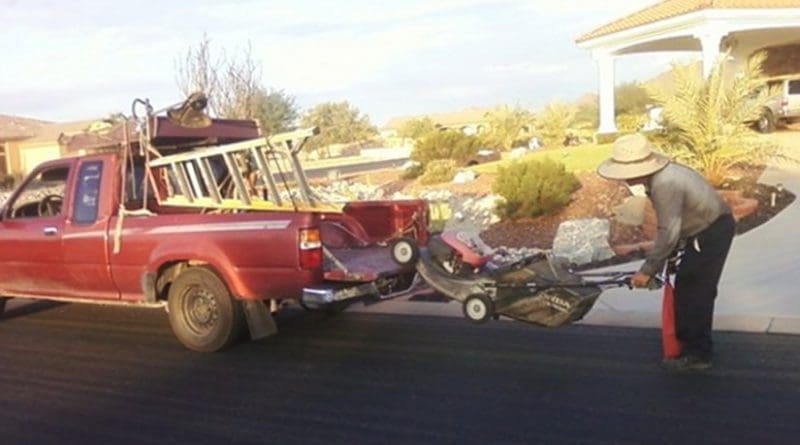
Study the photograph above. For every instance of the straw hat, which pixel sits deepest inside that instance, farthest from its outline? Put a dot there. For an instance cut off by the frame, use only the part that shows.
(632, 157)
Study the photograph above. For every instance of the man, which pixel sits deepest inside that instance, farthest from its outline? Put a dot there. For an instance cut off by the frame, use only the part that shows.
(690, 210)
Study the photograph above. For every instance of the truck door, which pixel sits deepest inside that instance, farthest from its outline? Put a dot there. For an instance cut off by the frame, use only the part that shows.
(30, 234)
(83, 242)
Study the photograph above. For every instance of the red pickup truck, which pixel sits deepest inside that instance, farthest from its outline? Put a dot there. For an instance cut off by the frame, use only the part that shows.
(65, 235)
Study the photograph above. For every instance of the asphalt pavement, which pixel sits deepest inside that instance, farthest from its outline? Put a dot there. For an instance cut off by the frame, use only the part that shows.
(91, 374)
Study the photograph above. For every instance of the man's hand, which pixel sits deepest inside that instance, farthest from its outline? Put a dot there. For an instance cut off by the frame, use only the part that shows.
(640, 280)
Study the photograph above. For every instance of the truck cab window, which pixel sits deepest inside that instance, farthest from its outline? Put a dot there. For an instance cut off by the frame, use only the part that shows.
(42, 195)
(86, 193)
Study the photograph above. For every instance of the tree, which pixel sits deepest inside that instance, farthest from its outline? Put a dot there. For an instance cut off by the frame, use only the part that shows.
(339, 123)
(446, 144)
(707, 119)
(631, 98)
(553, 122)
(416, 128)
(278, 111)
(233, 85)
(507, 126)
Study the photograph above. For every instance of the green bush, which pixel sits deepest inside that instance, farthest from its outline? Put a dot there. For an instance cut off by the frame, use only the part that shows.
(532, 188)
(438, 171)
(447, 144)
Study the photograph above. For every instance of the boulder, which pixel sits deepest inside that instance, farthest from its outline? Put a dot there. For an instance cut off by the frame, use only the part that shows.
(583, 241)
(464, 177)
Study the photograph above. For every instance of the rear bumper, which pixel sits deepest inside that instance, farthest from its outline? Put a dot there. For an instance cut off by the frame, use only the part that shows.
(318, 297)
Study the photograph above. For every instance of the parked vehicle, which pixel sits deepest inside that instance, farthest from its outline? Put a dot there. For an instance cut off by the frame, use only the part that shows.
(781, 108)
(219, 235)
(483, 156)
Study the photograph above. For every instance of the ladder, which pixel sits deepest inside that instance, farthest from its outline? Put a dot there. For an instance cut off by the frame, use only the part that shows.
(227, 176)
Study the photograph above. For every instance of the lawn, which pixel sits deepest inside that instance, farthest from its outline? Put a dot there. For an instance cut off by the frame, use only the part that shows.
(575, 159)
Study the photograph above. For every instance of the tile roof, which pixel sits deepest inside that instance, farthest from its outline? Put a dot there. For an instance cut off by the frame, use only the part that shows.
(672, 8)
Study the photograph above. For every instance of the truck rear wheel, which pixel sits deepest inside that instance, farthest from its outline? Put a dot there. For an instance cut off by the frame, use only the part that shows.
(203, 314)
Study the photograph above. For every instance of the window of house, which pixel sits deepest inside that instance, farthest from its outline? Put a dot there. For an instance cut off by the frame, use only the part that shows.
(87, 192)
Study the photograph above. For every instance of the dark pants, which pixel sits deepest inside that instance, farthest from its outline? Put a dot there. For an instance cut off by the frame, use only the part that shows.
(696, 285)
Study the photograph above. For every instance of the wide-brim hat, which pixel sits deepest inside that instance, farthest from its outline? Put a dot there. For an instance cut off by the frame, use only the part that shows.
(632, 156)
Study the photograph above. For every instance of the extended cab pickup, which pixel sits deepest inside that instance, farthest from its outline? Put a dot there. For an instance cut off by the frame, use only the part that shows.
(63, 237)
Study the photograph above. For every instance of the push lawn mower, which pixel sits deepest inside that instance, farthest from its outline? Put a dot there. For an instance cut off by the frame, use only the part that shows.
(536, 289)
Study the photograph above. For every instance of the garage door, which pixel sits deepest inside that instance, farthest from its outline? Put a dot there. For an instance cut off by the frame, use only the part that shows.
(33, 156)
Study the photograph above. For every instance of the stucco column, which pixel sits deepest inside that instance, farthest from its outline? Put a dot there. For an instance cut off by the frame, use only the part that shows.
(605, 69)
(710, 43)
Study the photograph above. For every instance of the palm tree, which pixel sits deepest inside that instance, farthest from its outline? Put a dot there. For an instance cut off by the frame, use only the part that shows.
(709, 120)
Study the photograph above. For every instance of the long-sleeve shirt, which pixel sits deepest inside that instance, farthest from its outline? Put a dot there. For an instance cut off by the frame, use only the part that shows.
(685, 205)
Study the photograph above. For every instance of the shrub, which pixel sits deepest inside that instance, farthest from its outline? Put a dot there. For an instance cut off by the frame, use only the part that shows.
(438, 171)
(413, 171)
(630, 122)
(446, 144)
(533, 188)
(706, 120)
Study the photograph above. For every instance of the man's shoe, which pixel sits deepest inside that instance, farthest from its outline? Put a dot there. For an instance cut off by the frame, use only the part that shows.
(687, 363)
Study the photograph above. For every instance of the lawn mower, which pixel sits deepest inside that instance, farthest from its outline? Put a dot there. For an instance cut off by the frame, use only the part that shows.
(537, 288)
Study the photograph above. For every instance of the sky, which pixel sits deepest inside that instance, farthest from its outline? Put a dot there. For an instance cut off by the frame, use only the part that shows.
(82, 59)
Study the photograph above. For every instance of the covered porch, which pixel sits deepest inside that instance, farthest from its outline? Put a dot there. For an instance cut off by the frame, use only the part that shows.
(710, 28)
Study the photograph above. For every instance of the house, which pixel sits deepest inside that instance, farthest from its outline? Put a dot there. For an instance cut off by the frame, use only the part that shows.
(25, 143)
(738, 28)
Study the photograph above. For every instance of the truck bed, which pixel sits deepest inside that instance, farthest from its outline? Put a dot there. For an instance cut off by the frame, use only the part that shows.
(359, 264)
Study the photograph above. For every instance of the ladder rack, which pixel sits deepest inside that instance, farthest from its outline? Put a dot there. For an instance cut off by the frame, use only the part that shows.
(235, 176)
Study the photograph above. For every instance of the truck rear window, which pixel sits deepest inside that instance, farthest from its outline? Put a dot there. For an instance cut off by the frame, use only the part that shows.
(86, 193)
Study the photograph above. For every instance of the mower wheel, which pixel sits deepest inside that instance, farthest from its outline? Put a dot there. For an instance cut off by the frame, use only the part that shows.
(404, 251)
(478, 308)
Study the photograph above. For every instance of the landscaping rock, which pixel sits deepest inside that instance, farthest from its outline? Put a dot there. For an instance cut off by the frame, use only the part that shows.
(472, 214)
(583, 241)
(464, 177)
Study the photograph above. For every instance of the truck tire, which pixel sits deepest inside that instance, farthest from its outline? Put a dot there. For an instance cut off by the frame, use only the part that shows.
(766, 122)
(203, 314)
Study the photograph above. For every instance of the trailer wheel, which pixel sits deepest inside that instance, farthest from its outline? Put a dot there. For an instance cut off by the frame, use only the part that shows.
(478, 308)
(203, 314)
(404, 251)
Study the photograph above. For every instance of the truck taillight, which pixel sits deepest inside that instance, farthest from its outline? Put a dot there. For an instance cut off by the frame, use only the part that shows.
(310, 249)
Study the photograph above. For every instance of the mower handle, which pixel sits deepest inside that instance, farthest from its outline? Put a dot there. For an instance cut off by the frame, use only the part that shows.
(620, 279)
